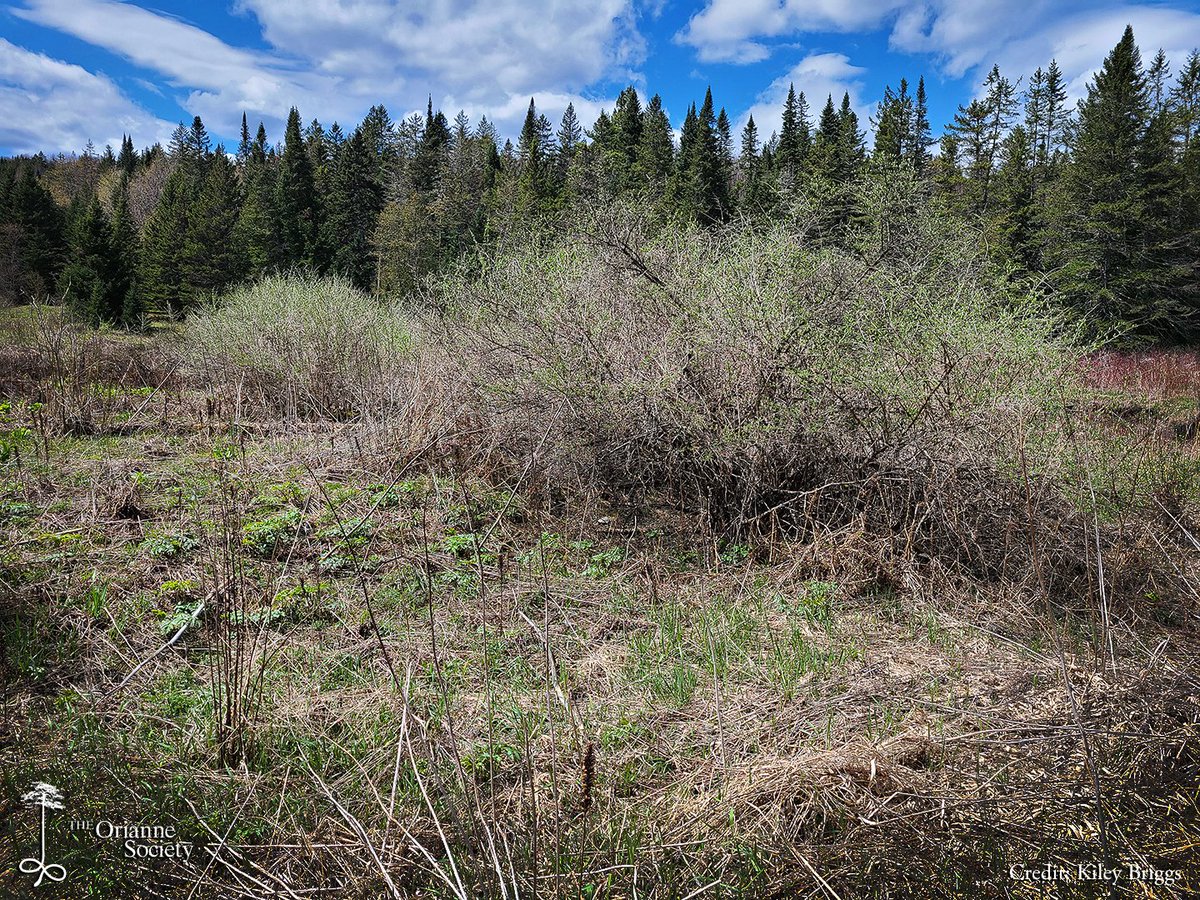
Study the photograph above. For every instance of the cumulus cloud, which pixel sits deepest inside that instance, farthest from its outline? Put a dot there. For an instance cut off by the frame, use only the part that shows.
(819, 76)
(50, 105)
(733, 30)
(344, 55)
(962, 36)
(968, 34)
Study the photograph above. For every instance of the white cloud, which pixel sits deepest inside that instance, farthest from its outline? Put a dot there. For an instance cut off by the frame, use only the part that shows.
(50, 105)
(967, 34)
(819, 76)
(342, 56)
(1080, 42)
(961, 35)
(732, 30)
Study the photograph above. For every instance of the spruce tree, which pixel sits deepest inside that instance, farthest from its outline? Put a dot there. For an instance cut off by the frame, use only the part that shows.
(160, 264)
(124, 254)
(42, 233)
(296, 199)
(257, 230)
(431, 150)
(212, 259)
(790, 156)
(922, 139)
(87, 281)
(656, 150)
(356, 200)
(1113, 266)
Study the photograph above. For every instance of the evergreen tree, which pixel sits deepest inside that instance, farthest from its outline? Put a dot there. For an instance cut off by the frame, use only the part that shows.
(160, 264)
(894, 125)
(296, 199)
(922, 139)
(257, 231)
(1113, 264)
(570, 133)
(211, 259)
(750, 190)
(825, 145)
(356, 200)
(431, 152)
(127, 160)
(624, 136)
(656, 150)
(791, 155)
(42, 234)
(87, 281)
(124, 255)
(850, 142)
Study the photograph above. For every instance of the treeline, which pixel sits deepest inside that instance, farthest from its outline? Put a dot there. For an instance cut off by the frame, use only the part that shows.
(1103, 200)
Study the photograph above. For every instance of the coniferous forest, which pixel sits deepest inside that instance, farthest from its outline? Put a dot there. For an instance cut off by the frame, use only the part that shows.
(395, 509)
(1099, 202)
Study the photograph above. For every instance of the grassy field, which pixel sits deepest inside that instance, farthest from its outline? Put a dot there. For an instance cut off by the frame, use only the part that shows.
(357, 655)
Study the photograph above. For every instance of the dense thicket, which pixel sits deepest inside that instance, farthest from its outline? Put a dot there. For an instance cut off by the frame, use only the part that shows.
(1103, 200)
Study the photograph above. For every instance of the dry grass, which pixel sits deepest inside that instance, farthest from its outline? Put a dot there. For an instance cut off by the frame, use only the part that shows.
(440, 658)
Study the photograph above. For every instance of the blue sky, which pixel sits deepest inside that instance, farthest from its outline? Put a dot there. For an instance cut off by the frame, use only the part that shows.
(71, 70)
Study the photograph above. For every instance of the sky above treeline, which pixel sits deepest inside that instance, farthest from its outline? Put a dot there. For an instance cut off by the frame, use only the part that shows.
(74, 70)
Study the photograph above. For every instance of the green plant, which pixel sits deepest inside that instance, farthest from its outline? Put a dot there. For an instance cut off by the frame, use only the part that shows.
(168, 546)
(268, 536)
(600, 564)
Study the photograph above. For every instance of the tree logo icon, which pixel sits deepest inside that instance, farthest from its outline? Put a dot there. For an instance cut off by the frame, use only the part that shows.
(47, 796)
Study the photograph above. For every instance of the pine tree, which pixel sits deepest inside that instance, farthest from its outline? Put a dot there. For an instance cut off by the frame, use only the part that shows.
(296, 199)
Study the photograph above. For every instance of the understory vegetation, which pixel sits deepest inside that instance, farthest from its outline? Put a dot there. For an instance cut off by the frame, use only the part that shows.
(644, 560)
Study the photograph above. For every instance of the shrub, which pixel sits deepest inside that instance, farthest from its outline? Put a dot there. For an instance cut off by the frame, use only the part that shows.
(764, 380)
(303, 347)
